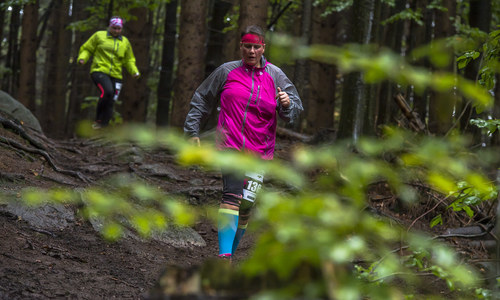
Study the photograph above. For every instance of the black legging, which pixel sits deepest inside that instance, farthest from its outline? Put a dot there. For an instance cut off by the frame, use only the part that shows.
(107, 87)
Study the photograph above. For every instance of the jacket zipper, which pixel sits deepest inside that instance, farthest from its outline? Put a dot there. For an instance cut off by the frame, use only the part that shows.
(257, 99)
(246, 110)
(115, 49)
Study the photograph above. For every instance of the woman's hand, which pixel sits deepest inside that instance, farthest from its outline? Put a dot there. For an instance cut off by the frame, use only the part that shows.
(283, 98)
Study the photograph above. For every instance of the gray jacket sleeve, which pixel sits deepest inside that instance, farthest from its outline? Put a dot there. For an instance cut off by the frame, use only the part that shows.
(291, 113)
(204, 99)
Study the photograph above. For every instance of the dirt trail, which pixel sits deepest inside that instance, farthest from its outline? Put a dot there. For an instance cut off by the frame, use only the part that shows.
(75, 262)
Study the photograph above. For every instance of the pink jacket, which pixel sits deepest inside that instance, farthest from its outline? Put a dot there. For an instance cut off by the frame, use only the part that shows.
(248, 106)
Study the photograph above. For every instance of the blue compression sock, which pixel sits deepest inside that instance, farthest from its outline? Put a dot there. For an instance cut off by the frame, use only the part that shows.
(237, 238)
(227, 223)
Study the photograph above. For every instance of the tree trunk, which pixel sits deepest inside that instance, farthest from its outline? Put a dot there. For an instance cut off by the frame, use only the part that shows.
(135, 93)
(252, 12)
(2, 23)
(442, 105)
(191, 49)
(56, 80)
(354, 118)
(302, 66)
(27, 74)
(167, 65)
(480, 14)
(81, 84)
(323, 77)
(479, 17)
(11, 79)
(215, 41)
(231, 39)
(495, 139)
(392, 37)
(421, 35)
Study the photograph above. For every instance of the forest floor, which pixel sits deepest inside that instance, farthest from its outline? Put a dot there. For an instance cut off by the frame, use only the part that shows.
(76, 262)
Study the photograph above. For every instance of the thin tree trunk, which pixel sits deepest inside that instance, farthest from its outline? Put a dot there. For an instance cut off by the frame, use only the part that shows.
(231, 40)
(442, 105)
(479, 17)
(3, 18)
(56, 80)
(167, 65)
(191, 49)
(302, 67)
(420, 35)
(392, 37)
(215, 41)
(495, 139)
(354, 118)
(2, 23)
(323, 77)
(81, 85)
(27, 74)
(135, 93)
(10, 82)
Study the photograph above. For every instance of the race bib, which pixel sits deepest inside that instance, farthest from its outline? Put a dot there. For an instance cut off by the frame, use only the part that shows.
(118, 87)
(253, 183)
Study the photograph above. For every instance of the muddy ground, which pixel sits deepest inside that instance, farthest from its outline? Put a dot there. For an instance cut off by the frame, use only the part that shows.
(76, 262)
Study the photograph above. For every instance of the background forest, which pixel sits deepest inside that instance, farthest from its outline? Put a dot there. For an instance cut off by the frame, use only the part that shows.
(178, 43)
(364, 70)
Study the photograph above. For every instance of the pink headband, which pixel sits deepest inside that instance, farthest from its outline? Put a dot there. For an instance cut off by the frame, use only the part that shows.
(116, 22)
(251, 38)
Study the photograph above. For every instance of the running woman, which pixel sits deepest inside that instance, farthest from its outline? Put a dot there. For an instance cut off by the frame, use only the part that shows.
(110, 51)
(252, 92)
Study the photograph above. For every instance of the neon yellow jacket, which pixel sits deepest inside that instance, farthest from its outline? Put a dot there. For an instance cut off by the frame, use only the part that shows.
(110, 54)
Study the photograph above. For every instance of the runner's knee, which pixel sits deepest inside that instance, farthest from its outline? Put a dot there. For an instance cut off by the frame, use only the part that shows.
(108, 94)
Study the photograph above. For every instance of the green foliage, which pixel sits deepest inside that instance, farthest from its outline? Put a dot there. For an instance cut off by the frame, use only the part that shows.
(333, 5)
(439, 52)
(231, 19)
(488, 51)
(407, 14)
(466, 58)
(6, 4)
(99, 12)
(382, 64)
(437, 220)
(484, 294)
(436, 4)
(469, 195)
(489, 126)
(122, 203)
(315, 211)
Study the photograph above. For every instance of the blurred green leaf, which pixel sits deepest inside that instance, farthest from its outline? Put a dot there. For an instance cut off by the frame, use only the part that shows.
(437, 220)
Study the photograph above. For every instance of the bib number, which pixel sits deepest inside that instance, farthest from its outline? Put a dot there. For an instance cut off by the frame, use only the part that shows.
(253, 183)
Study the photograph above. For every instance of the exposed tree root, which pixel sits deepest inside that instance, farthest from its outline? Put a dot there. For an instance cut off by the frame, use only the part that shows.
(39, 147)
(19, 129)
(11, 177)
